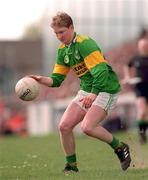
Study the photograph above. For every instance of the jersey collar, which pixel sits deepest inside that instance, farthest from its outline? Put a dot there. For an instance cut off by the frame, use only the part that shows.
(73, 40)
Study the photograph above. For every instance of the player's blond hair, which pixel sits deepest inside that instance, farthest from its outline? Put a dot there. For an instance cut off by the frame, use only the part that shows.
(61, 19)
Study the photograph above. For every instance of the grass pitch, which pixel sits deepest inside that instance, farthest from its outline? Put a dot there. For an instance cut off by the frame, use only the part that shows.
(41, 158)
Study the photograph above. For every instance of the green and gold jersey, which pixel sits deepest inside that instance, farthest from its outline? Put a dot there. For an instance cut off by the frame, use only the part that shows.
(87, 61)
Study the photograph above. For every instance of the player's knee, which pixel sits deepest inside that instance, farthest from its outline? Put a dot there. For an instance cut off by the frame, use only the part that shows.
(64, 127)
(87, 130)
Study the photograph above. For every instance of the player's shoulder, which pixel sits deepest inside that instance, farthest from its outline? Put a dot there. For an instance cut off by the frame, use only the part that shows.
(61, 46)
(81, 38)
(84, 40)
(87, 43)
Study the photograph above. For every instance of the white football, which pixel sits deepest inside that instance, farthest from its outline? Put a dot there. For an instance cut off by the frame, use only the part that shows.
(27, 89)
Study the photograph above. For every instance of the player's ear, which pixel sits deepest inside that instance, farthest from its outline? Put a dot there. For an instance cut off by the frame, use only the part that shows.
(71, 27)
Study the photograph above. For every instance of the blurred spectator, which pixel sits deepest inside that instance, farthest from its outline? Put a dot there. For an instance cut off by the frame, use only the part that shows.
(114, 123)
(16, 124)
(6, 77)
(2, 111)
(143, 33)
(138, 67)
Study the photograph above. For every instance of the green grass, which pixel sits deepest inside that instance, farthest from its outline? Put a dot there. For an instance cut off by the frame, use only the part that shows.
(41, 158)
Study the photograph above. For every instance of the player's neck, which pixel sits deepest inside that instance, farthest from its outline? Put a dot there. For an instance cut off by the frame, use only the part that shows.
(71, 39)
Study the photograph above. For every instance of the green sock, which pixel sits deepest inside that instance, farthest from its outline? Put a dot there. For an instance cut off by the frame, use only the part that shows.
(142, 122)
(71, 159)
(115, 143)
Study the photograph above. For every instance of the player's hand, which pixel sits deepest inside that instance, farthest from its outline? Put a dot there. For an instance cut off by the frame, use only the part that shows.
(131, 81)
(125, 81)
(47, 81)
(88, 100)
(36, 77)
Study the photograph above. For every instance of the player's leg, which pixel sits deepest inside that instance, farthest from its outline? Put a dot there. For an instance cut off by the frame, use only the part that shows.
(91, 126)
(142, 117)
(103, 104)
(72, 116)
(146, 119)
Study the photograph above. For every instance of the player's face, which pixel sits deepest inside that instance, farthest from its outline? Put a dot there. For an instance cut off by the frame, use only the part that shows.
(143, 47)
(64, 34)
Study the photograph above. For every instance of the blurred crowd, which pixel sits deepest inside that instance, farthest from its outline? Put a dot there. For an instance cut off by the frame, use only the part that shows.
(12, 119)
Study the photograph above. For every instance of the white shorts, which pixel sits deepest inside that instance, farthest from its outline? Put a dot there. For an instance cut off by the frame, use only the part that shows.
(104, 100)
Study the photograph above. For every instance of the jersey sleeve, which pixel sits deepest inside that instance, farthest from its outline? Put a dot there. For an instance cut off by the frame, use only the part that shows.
(60, 70)
(96, 64)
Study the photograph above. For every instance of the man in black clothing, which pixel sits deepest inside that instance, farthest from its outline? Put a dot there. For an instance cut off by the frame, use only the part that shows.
(138, 67)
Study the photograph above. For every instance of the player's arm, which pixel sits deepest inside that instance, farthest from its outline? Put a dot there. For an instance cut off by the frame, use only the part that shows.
(56, 78)
(128, 72)
(47, 81)
(60, 72)
(60, 69)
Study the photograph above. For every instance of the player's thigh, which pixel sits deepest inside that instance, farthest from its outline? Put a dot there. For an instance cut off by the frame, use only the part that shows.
(72, 116)
(93, 117)
(103, 104)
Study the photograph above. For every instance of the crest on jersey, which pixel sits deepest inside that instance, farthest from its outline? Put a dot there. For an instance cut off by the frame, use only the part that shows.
(66, 59)
(77, 55)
